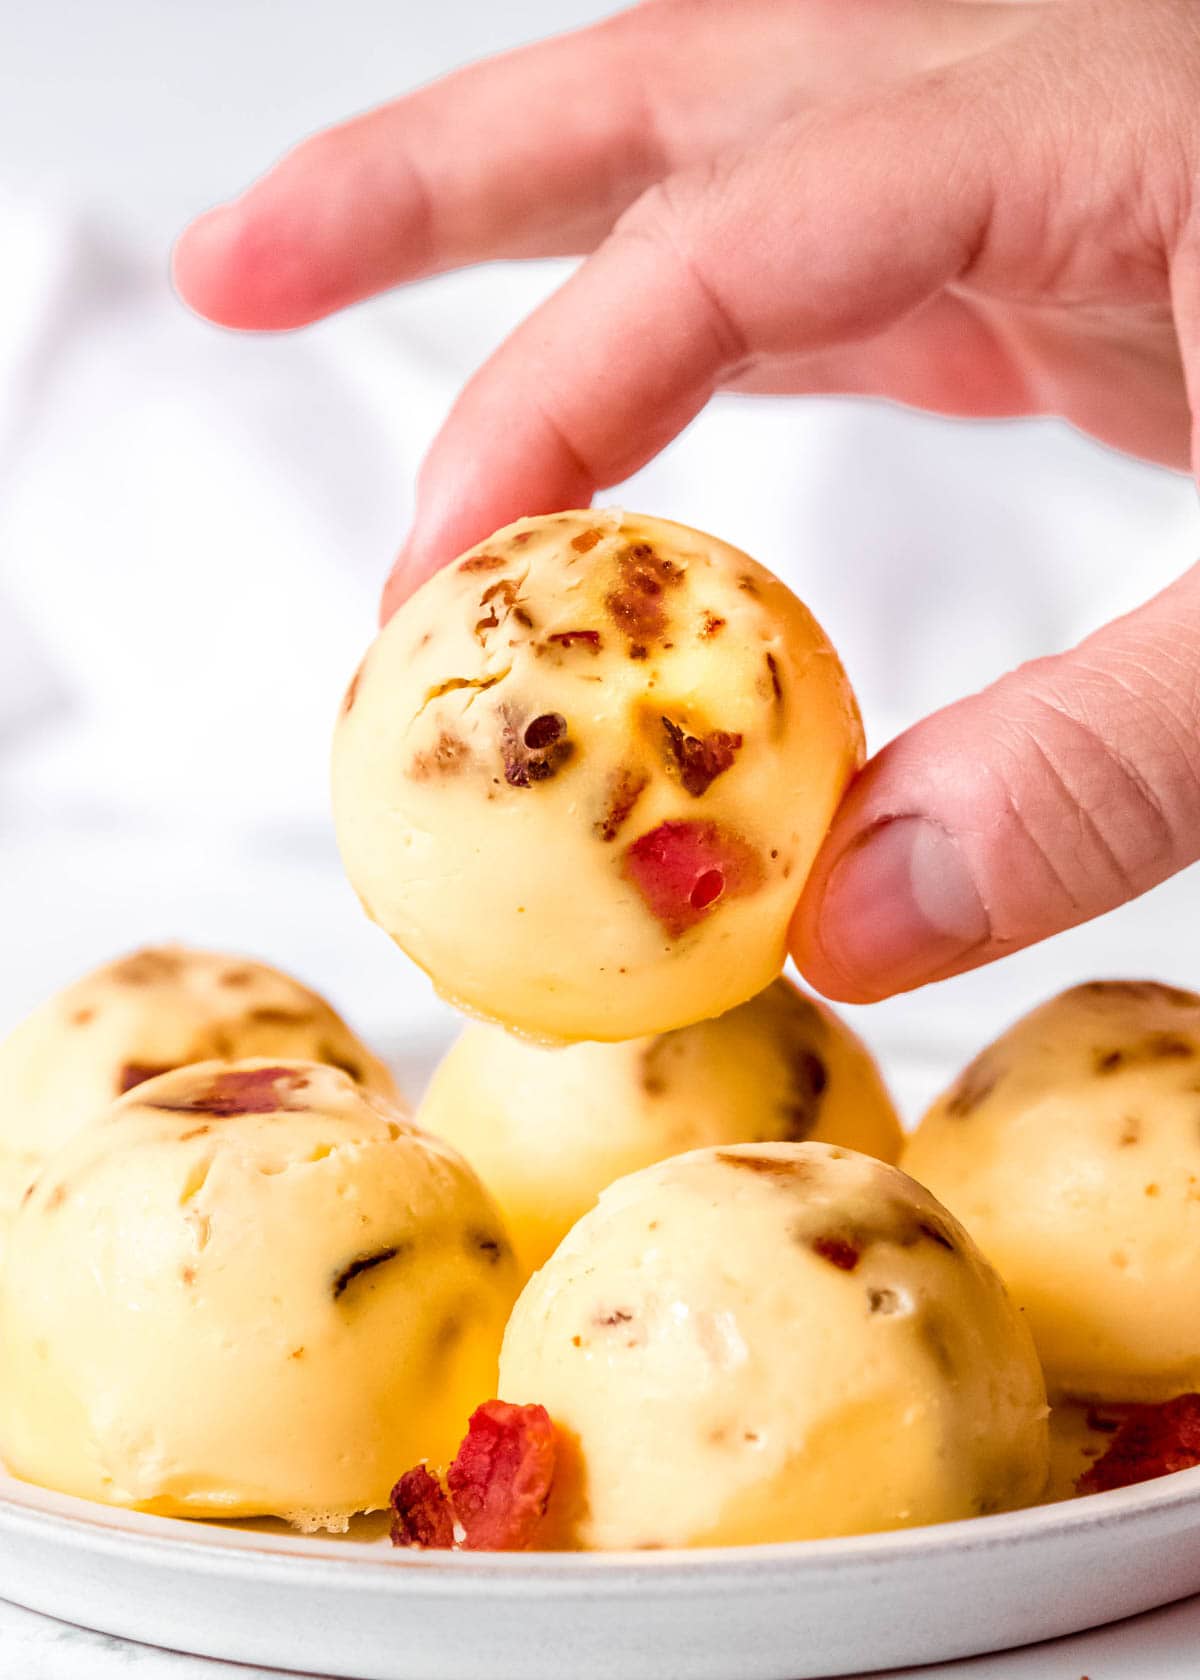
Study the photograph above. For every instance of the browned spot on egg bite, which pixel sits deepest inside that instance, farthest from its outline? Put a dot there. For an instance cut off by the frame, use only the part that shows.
(567, 639)
(81, 1017)
(271, 1015)
(482, 563)
(236, 1091)
(808, 1079)
(1137, 991)
(133, 1074)
(237, 978)
(711, 625)
(188, 1276)
(586, 540)
(351, 694)
(56, 1198)
(1131, 1132)
(446, 757)
(344, 1064)
(496, 604)
(767, 1166)
(490, 1246)
(1155, 1047)
(535, 751)
(145, 968)
(700, 759)
(636, 603)
(973, 1086)
(884, 1302)
(935, 1232)
(624, 790)
(773, 674)
(364, 1263)
(652, 1078)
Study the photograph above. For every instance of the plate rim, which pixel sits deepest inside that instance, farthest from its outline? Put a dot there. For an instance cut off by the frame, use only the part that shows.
(149, 1536)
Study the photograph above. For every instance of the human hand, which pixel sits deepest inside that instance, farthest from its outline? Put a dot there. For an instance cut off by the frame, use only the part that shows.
(980, 209)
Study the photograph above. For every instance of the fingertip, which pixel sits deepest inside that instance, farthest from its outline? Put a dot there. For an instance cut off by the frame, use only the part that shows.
(259, 263)
(197, 264)
(895, 906)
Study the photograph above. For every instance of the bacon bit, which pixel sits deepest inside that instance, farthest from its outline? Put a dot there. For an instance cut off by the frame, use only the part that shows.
(683, 869)
(482, 563)
(586, 540)
(499, 1485)
(701, 760)
(711, 625)
(838, 1252)
(262, 1090)
(625, 789)
(536, 752)
(421, 1512)
(137, 1073)
(1151, 1441)
(568, 638)
(365, 1263)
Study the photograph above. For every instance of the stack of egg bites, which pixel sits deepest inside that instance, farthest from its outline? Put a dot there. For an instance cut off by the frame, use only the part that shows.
(581, 778)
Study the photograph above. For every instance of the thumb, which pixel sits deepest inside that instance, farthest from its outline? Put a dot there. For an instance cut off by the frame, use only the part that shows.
(1065, 789)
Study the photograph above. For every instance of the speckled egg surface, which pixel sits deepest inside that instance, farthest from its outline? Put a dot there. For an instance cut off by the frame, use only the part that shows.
(582, 774)
(1070, 1149)
(776, 1342)
(249, 1288)
(162, 1007)
(548, 1129)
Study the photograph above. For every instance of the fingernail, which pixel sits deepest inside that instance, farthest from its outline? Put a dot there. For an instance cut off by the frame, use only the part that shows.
(900, 907)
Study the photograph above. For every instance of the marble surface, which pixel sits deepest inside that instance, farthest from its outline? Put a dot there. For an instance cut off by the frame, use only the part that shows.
(1160, 1646)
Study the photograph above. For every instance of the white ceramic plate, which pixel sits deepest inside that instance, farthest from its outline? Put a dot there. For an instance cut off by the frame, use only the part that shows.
(354, 1607)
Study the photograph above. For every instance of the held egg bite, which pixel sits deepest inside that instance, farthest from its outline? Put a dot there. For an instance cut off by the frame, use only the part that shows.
(582, 774)
(248, 1289)
(548, 1129)
(155, 1009)
(775, 1342)
(1070, 1148)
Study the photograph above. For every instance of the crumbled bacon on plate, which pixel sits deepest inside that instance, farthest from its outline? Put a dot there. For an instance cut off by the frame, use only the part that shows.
(1150, 1441)
(496, 1489)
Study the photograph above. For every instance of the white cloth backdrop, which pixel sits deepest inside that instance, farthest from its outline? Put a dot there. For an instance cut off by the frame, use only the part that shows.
(194, 525)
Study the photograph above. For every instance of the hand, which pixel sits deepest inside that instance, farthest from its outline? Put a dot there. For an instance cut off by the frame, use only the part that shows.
(981, 209)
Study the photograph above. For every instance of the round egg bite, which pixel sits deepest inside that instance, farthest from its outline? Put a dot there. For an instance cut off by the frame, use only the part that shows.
(1070, 1148)
(153, 1010)
(548, 1129)
(775, 1342)
(582, 774)
(248, 1289)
